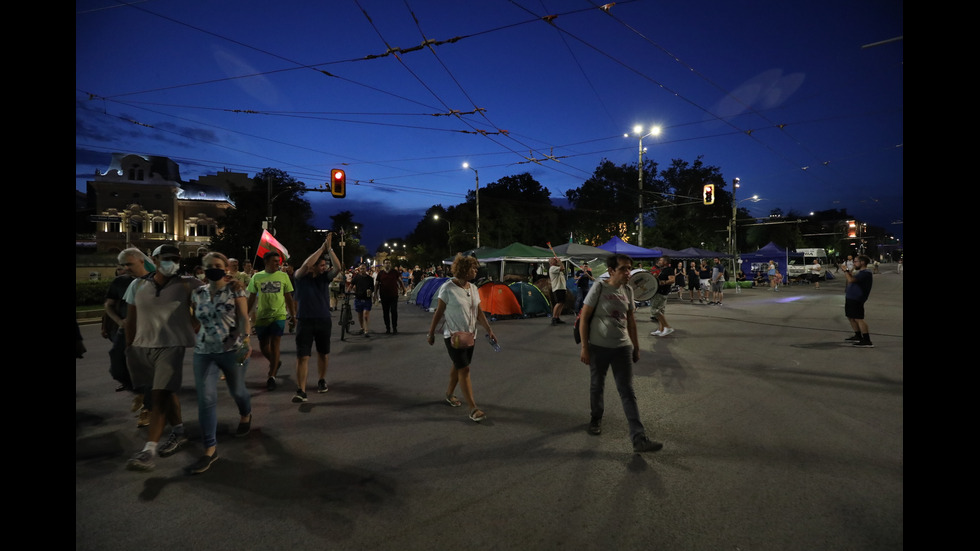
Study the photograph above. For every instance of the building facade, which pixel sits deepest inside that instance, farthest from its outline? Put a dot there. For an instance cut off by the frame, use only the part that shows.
(140, 201)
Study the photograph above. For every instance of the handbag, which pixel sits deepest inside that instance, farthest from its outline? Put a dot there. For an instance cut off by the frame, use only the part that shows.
(462, 339)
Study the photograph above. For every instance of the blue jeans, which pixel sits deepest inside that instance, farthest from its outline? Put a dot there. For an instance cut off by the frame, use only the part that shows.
(206, 368)
(621, 360)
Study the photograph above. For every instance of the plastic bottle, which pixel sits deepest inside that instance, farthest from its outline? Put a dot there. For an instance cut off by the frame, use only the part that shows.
(493, 342)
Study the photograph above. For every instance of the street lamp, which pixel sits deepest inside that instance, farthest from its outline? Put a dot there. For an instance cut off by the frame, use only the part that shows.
(638, 130)
(467, 165)
(449, 236)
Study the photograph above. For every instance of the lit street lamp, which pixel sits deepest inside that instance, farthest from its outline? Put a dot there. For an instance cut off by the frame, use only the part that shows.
(467, 165)
(638, 130)
(449, 236)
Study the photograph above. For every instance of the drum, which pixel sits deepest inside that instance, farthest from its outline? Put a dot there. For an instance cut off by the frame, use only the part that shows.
(643, 283)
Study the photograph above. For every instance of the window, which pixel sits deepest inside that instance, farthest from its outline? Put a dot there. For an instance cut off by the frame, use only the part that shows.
(112, 227)
(158, 225)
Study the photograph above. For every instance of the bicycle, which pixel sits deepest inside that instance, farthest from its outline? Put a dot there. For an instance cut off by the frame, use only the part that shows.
(346, 317)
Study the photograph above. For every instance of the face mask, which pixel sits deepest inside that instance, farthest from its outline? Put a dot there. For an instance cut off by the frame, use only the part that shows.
(214, 274)
(168, 267)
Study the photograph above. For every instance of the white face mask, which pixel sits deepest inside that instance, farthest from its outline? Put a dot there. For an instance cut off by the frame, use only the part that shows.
(168, 267)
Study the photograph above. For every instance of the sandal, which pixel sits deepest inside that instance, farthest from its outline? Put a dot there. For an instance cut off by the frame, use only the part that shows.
(453, 401)
(477, 415)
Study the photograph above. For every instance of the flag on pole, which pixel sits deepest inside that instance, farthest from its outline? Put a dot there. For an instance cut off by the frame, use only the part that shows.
(268, 243)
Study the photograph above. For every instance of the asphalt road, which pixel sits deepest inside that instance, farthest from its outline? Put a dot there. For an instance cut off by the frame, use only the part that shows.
(778, 436)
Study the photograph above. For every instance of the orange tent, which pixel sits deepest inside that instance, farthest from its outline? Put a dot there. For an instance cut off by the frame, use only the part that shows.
(498, 301)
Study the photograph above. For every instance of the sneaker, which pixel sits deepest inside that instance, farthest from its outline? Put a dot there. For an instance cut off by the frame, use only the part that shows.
(244, 427)
(141, 461)
(137, 403)
(718, 304)
(656, 333)
(367, 335)
(202, 464)
(853, 338)
(321, 386)
(666, 331)
(554, 322)
(559, 321)
(172, 445)
(144, 419)
(595, 427)
(643, 444)
(270, 384)
(863, 344)
(300, 396)
(394, 331)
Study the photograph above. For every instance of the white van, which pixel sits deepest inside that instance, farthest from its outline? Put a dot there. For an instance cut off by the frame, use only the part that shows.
(798, 268)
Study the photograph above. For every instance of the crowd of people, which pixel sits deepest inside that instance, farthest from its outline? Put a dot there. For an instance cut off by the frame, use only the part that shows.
(159, 306)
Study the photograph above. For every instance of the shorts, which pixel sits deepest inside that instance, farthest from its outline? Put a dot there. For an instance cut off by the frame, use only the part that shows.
(693, 283)
(853, 310)
(310, 331)
(461, 357)
(156, 368)
(273, 329)
(717, 286)
(559, 296)
(362, 305)
(705, 284)
(658, 305)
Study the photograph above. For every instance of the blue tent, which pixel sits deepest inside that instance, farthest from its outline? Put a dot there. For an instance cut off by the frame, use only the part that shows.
(429, 289)
(618, 246)
(751, 262)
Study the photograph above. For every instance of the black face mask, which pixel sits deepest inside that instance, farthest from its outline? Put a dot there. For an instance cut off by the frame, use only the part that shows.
(214, 274)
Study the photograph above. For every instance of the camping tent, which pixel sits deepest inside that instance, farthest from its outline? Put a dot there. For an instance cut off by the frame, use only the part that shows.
(429, 289)
(618, 246)
(579, 252)
(414, 293)
(515, 261)
(498, 301)
(531, 299)
(751, 262)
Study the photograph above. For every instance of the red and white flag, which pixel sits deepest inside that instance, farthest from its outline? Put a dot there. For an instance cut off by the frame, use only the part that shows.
(268, 243)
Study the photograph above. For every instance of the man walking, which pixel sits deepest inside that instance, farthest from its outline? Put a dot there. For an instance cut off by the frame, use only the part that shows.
(313, 280)
(389, 287)
(159, 329)
(658, 303)
(133, 267)
(856, 293)
(363, 286)
(271, 295)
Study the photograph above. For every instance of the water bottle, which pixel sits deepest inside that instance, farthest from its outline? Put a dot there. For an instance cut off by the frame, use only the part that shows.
(493, 342)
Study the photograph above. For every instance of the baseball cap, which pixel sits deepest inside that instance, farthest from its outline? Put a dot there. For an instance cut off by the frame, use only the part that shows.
(166, 250)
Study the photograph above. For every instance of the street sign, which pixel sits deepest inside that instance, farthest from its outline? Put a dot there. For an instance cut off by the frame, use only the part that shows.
(98, 218)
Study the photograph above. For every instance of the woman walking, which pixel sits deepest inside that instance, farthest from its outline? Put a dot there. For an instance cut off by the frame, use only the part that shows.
(459, 305)
(221, 308)
(609, 339)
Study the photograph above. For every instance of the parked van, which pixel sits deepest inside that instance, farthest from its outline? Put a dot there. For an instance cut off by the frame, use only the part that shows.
(801, 267)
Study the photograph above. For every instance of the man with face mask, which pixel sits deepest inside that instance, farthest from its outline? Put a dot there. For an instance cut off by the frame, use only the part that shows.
(159, 329)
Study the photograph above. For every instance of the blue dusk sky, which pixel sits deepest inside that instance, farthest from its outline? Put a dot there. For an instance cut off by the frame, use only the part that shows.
(802, 101)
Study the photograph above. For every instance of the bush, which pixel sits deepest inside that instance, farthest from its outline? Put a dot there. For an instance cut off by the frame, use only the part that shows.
(91, 293)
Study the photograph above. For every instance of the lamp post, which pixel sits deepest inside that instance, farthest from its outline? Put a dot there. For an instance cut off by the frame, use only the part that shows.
(467, 165)
(638, 130)
(449, 236)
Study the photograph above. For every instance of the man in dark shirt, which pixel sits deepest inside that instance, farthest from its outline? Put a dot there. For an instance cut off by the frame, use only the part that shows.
(313, 315)
(859, 280)
(658, 303)
(389, 287)
(363, 286)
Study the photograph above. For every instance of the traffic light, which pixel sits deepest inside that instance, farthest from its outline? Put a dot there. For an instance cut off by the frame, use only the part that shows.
(709, 194)
(338, 183)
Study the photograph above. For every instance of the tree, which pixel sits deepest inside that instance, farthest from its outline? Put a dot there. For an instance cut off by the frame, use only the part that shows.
(348, 247)
(272, 190)
(607, 204)
(682, 219)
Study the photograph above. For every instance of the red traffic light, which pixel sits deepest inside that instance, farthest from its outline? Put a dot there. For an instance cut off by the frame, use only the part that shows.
(709, 194)
(338, 183)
